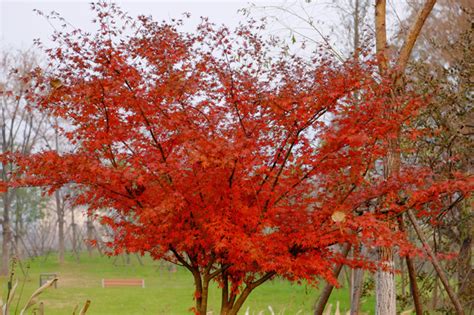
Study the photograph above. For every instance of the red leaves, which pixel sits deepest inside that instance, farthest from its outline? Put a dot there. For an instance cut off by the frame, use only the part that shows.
(242, 160)
(3, 187)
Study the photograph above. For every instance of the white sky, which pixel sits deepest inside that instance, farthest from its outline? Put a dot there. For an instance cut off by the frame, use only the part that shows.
(19, 25)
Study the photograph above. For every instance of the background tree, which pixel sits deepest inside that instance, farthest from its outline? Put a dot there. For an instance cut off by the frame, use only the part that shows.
(19, 128)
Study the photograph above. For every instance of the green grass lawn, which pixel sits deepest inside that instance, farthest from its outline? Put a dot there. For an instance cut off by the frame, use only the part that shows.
(165, 292)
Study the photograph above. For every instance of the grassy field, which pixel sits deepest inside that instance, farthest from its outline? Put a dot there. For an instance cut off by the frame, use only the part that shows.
(165, 292)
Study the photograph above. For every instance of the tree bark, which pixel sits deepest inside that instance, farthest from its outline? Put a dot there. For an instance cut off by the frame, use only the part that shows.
(385, 284)
(442, 276)
(381, 35)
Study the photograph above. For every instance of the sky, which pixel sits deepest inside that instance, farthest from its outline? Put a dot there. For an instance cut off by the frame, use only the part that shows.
(19, 25)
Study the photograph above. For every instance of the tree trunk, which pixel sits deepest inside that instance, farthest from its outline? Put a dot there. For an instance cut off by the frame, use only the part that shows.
(201, 292)
(385, 285)
(231, 305)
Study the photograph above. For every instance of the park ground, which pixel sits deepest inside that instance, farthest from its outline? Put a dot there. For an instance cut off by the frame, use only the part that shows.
(165, 292)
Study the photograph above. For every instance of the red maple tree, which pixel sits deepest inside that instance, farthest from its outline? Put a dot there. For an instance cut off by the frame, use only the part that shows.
(223, 153)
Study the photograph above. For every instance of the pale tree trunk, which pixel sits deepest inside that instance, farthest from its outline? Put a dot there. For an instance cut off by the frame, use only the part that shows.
(385, 302)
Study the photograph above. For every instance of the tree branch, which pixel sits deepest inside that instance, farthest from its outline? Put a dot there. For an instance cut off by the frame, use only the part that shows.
(412, 35)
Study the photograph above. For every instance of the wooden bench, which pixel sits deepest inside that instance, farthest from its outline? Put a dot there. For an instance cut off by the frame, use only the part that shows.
(109, 283)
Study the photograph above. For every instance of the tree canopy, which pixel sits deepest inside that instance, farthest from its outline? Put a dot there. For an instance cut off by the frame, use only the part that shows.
(220, 151)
